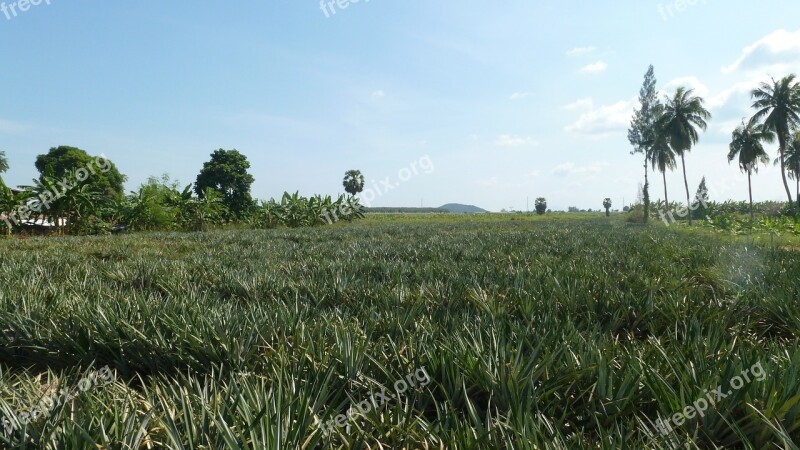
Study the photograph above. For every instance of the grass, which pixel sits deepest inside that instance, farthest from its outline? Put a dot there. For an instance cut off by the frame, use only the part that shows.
(536, 333)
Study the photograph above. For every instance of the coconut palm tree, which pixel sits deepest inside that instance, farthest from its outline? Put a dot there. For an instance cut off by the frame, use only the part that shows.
(747, 143)
(663, 158)
(791, 160)
(778, 107)
(681, 116)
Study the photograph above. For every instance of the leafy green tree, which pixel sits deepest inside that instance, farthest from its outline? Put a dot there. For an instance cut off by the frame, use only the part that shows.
(607, 206)
(747, 142)
(3, 166)
(101, 174)
(778, 107)
(353, 182)
(642, 133)
(227, 174)
(681, 116)
(541, 206)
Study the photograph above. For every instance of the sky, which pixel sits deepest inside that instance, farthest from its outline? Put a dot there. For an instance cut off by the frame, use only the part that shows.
(435, 102)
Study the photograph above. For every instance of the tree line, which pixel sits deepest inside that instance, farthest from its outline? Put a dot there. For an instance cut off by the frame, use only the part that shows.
(663, 131)
(78, 193)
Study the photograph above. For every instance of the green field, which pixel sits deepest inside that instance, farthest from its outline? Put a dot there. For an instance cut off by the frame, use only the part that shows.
(509, 332)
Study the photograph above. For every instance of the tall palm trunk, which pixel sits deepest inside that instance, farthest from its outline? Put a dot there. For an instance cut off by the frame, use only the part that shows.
(782, 145)
(666, 199)
(750, 189)
(686, 183)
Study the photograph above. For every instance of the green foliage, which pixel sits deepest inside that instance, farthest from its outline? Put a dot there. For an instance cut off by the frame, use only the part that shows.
(643, 131)
(295, 211)
(227, 174)
(160, 205)
(3, 165)
(353, 182)
(607, 206)
(538, 333)
(541, 206)
(700, 200)
(104, 177)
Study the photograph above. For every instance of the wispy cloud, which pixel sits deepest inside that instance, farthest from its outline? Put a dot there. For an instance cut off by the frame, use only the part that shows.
(507, 140)
(605, 120)
(599, 66)
(570, 168)
(378, 94)
(579, 105)
(8, 126)
(519, 95)
(578, 51)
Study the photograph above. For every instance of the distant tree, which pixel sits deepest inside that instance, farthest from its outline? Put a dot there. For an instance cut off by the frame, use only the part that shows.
(102, 175)
(682, 115)
(541, 206)
(642, 133)
(747, 143)
(626, 208)
(573, 209)
(778, 107)
(227, 174)
(3, 165)
(353, 182)
(607, 206)
(698, 209)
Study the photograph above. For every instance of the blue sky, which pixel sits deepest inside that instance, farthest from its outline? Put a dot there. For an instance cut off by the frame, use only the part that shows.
(505, 101)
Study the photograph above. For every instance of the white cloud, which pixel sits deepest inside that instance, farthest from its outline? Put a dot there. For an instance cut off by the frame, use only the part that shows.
(519, 95)
(571, 169)
(579, 105)
(578, 51)
(598, 67)
(507, 140)
(687, 82)
(779, 47)
(533, 174)
(605, 120)
(378, 94)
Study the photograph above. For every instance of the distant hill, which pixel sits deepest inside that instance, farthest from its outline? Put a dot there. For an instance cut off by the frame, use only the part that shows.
(458, 208)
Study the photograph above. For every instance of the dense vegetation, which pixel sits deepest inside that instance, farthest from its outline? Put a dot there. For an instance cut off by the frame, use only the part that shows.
(535, 333)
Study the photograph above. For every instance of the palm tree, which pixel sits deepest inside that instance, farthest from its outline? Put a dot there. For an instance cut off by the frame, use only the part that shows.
(778, 106)
(353, 182)
(746, 142)
(681, 114)
(791, 159)
(663, 158)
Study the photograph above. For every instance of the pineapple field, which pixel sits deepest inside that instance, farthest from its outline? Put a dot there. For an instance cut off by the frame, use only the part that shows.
(443, 332)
